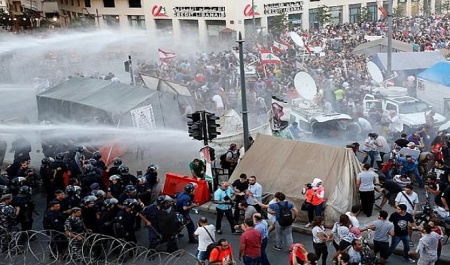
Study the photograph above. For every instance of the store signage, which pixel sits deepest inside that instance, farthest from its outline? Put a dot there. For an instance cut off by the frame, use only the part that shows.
(286, 7)
(159, 11)
(199, 12)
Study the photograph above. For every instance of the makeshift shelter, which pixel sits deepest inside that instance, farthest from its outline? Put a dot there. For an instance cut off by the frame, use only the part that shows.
(287, 165)
(381, 45)
(85, 99)
(433, 87)
(409, 63)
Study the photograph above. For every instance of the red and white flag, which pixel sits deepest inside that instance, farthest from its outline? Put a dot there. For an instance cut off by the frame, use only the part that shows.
(307, 48)
(269, 57)
(164, 56)
(280, 46)
(382, 10)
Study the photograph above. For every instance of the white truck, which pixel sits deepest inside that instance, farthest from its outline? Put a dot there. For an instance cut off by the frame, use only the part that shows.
(410, 110)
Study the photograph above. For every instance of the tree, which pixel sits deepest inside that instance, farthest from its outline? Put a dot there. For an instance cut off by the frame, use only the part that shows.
(399, 11)
(365, 14)
(425, 8)
(280, 23)
(323, 15)
(445, 6)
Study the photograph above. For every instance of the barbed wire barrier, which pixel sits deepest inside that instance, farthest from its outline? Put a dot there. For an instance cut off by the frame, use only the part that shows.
(53, 247)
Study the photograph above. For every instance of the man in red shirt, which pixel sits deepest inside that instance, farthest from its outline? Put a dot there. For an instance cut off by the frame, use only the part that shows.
(250, 247)
(222, 254)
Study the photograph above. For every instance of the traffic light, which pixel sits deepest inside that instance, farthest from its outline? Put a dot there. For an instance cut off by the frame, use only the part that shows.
(195, 127)
(212, 153)
(212, 125)
(126, 64)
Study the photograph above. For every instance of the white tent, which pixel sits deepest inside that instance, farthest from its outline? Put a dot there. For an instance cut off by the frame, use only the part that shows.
(287, 165)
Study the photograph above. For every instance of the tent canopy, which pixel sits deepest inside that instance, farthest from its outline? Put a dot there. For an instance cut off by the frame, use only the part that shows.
(381, 45)
(82, 99)
(100, 94)
(409, 60)
(438, 73)
(287, 165)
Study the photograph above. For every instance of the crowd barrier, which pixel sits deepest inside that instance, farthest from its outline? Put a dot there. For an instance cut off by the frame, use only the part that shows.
(175, 183)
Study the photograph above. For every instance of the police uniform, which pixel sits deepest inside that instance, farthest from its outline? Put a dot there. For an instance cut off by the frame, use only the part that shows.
(151, 213)
(75, 225)
(127, 220)
(54, 222)
(8, 224)
(184, 199)
(26, 205)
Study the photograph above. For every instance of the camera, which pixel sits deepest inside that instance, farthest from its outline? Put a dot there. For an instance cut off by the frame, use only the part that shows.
(227, 198)
(308, 186)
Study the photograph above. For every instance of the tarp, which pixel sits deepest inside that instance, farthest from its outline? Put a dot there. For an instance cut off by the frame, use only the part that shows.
(373, 47)
(80, 98)
(438, 73)
(287, 165)
(409, 60)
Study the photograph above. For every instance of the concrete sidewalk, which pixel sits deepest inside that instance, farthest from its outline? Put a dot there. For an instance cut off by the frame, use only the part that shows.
(364, 221)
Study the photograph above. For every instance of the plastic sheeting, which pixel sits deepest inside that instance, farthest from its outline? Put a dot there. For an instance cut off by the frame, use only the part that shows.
(287, 165)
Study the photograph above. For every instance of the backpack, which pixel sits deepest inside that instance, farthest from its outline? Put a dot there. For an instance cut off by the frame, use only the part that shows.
(223, 161)
(285, 218)
(210, 248)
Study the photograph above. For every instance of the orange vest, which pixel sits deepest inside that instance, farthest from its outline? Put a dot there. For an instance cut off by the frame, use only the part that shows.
(315, 200)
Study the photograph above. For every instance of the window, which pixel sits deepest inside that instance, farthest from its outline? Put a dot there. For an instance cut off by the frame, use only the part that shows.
(373, 11)
(355, 11)
(78, 2)
(87, 3)
(136, 22)
(109, 3)
(390, 106)
(134, 3)
(72, 2)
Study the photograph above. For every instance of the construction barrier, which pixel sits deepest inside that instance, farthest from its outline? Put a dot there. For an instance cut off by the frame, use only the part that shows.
(175, 183)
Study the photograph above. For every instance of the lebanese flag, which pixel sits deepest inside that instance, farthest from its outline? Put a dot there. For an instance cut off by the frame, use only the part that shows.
(382, 10)
(164, 56)
(280, 46)
(307, 48)
(269, 57)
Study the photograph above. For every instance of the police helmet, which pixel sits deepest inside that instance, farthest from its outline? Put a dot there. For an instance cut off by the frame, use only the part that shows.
(25, 190)
(111, 201)
(124, 170)
(4, 189)
(180, 220)
(130, 202)
(70, 190)
(59, 156)
(189, 188)
(89, 199)
(92, 162)
(160, 199)
(130, 189)
(117, 161)
(98, 193)
(97, 155)
(17, 181)
(114, 177)
(78, 190)
(141, 180)
(152, 167)
(79, 149)
(89, 168)
(46, 161)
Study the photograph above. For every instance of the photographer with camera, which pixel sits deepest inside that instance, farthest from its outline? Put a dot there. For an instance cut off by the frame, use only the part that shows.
(224, 205)
(315, 194)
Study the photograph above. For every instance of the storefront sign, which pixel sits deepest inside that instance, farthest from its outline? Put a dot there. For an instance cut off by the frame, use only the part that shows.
(199, 12)
(286, 7)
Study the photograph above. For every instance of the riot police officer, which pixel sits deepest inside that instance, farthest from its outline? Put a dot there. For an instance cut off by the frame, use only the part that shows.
(124, 226)
(150, 217)
(72, 198)
(152, 179)
(47, 175)
(108, 214)
(115, 187)
(74, 227)
(100, 164)
(26, 207)
(126, 177)
(53, 221)
(89, 213)
(184, 205)
(90, 177)
(114, 170)
(8, 225)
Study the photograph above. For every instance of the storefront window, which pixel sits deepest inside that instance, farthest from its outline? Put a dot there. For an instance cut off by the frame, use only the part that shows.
(355, 11)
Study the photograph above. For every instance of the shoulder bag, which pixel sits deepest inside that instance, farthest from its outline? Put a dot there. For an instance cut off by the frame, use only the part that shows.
(306, 206)
(407, 198)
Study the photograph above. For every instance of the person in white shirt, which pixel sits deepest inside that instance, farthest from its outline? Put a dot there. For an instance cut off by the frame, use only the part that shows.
(409, 198)
(365, 125)
(395, 124)
(220, 107)
(206, 235)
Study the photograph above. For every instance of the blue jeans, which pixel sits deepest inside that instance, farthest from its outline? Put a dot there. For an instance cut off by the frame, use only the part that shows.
(396, 240)
(264, 259)
(415, 172)
(250, 261)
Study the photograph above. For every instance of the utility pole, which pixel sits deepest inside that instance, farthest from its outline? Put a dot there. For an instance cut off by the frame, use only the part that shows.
(253, 17)
(131, 70)
(389, 51)
(98, 18)
(243, 92)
